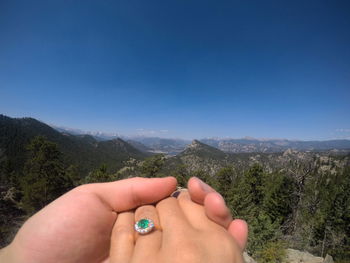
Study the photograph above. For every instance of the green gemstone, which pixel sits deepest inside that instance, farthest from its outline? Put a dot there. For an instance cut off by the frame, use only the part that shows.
(143, 223)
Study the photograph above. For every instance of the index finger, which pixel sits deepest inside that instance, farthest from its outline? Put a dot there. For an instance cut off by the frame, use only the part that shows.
(130, 193)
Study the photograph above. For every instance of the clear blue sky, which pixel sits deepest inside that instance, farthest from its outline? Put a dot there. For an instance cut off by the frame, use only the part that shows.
(179, 68)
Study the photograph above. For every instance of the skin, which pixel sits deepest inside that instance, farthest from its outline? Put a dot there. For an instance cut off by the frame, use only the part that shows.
(77, 226)
(183, 234)
(216, 210)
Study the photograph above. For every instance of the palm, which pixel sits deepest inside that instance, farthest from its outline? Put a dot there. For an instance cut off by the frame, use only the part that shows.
(74, 228)
(77, 227)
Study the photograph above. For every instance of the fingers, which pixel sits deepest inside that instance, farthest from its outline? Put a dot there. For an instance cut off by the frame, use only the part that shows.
(198, 190)
(151, 240)
(122, 239)
(194, 212)
(239, 231)
(149, 243)
(214, 204)
(172, 218)
(217, 210)
(130, 193)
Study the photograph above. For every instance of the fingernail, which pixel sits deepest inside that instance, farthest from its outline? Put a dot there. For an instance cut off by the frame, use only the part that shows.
(175, 194)
(178, 191)
(222, 199)
(206, 188)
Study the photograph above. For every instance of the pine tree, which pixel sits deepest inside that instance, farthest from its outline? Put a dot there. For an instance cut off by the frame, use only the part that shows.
(332, 232)
(246, 197)
(99, 176)
(225, 177)
(44, 176)
(252, 199)
(278, 196)
(181, 175)
(152, 165)
(74, 175)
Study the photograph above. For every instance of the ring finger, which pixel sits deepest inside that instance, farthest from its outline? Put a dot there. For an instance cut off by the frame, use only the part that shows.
(122, 240)
(147, 245)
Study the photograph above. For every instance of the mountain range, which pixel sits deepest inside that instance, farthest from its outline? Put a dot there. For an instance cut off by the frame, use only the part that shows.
(220, 162)
(83, 151)
(88, 152)
(230, 145)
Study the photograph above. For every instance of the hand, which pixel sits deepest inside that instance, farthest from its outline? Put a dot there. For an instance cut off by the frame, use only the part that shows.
(77, 226)
(217, 211)
(183, 234)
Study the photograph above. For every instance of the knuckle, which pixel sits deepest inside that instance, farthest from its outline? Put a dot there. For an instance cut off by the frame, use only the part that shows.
(123, 231)
(165, 202)
(146, 211)
(146, 208)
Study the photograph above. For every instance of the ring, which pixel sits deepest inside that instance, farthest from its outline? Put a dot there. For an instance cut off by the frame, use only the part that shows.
(178, 191)
(144, 226)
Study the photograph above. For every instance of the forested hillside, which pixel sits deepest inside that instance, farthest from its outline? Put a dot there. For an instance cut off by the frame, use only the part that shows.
(84, 152)
(290, 199)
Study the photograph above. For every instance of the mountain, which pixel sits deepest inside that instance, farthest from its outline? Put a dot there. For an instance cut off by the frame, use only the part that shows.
(200, 149)
(84, 151)
(144, 144)
(98, 135)
(244, 145)
(163, 145)
(141, 147)
(250, 145)
(199, 156)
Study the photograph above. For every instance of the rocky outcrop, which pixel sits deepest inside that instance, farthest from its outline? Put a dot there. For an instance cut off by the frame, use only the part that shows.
(295, 256)
(328, 259)
(247, 258)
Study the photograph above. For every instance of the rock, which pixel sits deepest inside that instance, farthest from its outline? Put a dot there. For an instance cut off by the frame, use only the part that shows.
(247, 258)
(296, 256)
(328, 259)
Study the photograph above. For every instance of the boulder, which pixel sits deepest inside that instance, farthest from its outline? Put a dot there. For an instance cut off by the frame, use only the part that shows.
(296, 256)
(247, 258)
(328, 259)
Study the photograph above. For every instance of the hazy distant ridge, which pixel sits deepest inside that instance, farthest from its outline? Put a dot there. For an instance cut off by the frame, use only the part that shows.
(243, 145)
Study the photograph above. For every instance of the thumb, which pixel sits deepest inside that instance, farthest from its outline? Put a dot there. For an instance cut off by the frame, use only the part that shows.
(239, 231)
(133, 192)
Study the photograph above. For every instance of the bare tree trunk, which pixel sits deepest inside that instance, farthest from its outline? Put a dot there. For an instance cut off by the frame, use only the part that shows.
(324, 241)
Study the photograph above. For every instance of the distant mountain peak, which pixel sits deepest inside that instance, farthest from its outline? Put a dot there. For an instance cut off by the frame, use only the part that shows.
(197, 147)
(194, 143)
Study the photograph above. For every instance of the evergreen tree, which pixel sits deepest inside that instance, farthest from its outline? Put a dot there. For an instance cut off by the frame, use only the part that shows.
(44, 176)
(332, 230)
(253, 199)
(261, 232)
(99, 176)
(152, 165)
(246, 197)
(225, 177)
(74, 175)
(278, 197)
(181, 175)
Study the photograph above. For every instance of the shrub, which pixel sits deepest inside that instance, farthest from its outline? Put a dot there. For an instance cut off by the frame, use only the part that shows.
(272, 252)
